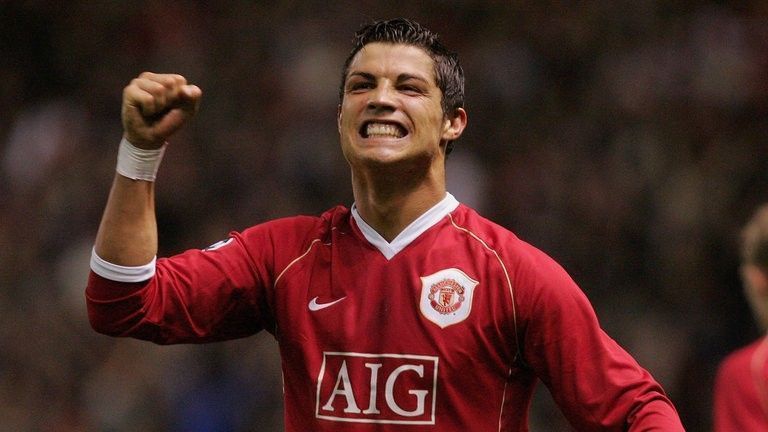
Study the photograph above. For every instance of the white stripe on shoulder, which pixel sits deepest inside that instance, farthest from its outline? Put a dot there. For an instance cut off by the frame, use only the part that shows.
(297, 259)
(119, 273)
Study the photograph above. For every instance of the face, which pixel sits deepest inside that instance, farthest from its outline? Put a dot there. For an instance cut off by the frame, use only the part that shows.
(391, 109)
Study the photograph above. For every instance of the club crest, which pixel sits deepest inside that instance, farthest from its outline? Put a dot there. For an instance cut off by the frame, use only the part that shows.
(446, 296)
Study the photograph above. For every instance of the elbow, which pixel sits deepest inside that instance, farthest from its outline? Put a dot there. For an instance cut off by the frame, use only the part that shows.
(107, 320)
(101, 324)
(114, 308)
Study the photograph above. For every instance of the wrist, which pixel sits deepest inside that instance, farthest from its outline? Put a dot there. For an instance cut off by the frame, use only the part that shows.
(137, 163)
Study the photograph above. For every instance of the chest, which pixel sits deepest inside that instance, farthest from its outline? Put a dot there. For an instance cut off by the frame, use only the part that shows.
(431, 299)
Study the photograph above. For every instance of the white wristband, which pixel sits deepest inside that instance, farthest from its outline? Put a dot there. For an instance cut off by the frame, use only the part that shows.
(138, 164)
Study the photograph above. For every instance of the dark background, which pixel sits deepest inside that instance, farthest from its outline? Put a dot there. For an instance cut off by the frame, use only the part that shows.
(626, 138)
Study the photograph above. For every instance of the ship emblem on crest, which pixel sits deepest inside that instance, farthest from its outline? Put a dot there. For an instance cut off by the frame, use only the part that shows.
(446, 296)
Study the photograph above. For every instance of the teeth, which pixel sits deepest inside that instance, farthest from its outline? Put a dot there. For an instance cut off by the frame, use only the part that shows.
(383, 130)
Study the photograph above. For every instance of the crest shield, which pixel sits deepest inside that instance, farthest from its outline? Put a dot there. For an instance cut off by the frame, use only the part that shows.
(446, 296)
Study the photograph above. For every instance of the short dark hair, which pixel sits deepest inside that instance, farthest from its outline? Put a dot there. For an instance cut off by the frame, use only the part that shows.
(449, 75)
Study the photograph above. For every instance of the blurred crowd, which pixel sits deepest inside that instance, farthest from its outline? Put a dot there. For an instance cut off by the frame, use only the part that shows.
(627, 139)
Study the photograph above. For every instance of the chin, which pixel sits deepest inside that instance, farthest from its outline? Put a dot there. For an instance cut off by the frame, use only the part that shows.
(377, 150)
(397, 162)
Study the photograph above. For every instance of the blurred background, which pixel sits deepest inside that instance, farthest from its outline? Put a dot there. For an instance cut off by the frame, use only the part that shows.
(627, 139)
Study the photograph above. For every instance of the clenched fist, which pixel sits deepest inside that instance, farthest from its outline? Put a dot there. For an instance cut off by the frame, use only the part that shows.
(155, 106)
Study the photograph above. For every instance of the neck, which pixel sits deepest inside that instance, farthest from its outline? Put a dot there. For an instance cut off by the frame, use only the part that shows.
(389, 203)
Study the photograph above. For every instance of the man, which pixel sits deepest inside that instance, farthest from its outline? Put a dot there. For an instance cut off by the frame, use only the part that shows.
(406, 312)
(741, 385)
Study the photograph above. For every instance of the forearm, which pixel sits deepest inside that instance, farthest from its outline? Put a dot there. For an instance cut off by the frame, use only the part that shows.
(154, 107)
(127, 235)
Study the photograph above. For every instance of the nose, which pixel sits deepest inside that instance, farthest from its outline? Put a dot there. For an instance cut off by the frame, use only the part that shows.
(381, 98)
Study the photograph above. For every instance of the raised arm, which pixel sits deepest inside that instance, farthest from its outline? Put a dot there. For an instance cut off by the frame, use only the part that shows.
(154, 107)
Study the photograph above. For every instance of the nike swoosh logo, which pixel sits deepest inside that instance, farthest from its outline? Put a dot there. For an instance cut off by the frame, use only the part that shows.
(315, 306)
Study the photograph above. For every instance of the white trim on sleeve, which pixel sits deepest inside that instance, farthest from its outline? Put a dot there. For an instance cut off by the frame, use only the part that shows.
(120, 273)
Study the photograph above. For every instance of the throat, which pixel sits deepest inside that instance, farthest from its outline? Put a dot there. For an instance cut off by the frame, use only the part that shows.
(389, 196)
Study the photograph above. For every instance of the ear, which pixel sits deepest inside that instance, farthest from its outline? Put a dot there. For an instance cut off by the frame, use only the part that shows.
(338, 118)
(454, 125)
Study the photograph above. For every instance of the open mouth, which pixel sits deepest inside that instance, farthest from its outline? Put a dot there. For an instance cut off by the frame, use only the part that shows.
(374, 129)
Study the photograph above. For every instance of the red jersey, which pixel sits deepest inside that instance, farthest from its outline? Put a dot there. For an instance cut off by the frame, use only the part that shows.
(741, 390)
(446, 328)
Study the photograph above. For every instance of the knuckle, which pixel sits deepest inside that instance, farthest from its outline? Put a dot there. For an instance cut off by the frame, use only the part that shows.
(165, 79)
(145, 101)
(157, 88)
(131, 92)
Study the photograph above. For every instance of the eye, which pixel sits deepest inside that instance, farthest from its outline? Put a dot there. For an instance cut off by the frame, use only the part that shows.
(410, 89)
(359, 86)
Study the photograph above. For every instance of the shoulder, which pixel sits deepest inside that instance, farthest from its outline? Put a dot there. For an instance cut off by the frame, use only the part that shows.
(288, 236)
(484, 231)
(465, 217)
(739, 361)
(518, 254)
(538, 282)
(301, 226)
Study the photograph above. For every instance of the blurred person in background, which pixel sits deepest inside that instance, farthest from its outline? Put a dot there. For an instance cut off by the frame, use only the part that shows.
(741, 384)
(407, 311)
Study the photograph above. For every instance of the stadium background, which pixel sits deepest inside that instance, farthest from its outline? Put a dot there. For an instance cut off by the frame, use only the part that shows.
(627, 139)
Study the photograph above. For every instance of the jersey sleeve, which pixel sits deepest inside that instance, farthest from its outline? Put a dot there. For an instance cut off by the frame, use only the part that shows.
(198, 296)
(596, 383)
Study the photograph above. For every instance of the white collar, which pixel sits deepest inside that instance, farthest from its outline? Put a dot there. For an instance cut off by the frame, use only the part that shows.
(411, 232)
